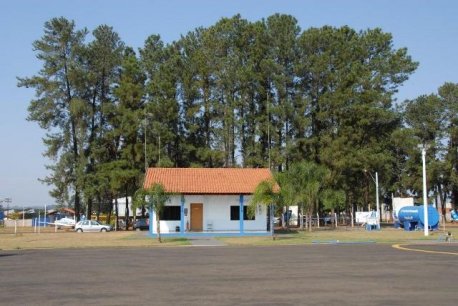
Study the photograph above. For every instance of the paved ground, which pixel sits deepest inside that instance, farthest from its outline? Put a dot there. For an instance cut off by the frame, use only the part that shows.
(369, 274)
(205, 241)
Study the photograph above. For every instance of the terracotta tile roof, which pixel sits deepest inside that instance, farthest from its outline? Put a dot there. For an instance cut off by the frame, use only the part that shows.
(207, 180)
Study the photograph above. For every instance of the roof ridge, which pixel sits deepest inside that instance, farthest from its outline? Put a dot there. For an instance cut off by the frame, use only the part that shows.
(208, 180)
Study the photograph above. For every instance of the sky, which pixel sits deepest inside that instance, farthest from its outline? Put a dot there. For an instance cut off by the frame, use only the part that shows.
(427, 28)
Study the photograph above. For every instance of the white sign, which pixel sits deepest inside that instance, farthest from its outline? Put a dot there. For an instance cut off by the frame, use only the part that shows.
(369, 217)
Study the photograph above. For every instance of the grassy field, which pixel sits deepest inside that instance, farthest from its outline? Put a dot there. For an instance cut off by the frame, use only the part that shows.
(51, 240)
(67, 239)
(342, 235)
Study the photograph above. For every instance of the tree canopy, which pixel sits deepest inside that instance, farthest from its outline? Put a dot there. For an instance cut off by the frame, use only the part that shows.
(237, 94)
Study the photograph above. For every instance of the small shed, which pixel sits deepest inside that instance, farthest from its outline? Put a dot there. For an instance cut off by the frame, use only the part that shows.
(209, 201)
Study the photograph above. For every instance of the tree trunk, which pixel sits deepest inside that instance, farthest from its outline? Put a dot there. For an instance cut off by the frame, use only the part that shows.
(89, 209)
(117, 213)
(442, 198)
(109, 212)
(127, 213)
(301, 221)
(77, 205)
(158, 228)
(287, 218)
(310, 221)
(333, 222)
(143, 211)
(99, 208)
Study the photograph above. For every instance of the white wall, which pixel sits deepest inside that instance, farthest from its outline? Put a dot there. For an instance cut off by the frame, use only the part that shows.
(399, 203)
(216, 210)
(19, 222)
(122, 208)
(294, 214)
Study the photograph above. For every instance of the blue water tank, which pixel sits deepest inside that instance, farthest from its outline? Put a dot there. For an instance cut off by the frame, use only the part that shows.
(415, 215)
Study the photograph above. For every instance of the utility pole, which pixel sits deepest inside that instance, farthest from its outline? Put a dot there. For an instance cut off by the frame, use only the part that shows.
(425, 196)
(377, 200)
(376, 196)
(268, 129)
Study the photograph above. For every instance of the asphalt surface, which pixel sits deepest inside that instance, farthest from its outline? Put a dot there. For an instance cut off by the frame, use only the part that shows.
(205, 241)
(342, 274)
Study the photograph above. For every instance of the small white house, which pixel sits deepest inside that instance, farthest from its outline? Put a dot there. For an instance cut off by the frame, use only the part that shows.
(209, 201)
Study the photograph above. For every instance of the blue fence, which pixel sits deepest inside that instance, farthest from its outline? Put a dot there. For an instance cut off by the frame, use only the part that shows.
(43, 222)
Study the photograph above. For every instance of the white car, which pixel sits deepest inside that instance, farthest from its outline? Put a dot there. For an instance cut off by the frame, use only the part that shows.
(91, 226)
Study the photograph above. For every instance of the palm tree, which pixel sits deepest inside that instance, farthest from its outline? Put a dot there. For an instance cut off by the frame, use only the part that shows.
(267, 194)
(308, 179)
(288, 192)
(154, 198)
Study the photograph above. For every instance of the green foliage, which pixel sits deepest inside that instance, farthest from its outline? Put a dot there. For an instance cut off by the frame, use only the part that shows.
(333, 199)
(308, 180)
(155, 198)
(265, 194)
(236, 93)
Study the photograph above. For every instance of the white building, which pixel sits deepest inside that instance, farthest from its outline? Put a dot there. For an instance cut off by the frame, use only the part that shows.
(399, 203)
(122, 208)
(209, 201)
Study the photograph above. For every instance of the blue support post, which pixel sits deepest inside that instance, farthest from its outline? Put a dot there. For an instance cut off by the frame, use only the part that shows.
(271, 219)
(182, 215)
(241, 214)
(151, 215)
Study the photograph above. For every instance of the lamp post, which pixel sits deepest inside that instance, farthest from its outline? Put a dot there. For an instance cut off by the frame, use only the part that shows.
(425, 197)
(145, 123)
(377, 203)
(377, 214)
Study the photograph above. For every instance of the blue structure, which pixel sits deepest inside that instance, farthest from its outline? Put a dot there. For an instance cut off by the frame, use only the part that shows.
(43, 222)
(453, 215)
(241, 215)
(412, 218)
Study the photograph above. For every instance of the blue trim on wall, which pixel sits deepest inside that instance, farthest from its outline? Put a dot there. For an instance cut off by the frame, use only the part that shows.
(271, 219)
(182, 215)
(151, 220)
(241, 215)
(212, 234)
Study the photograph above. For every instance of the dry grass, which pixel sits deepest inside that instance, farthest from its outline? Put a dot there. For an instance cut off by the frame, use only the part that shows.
(52, 240)
(26, 239)
(386, 235)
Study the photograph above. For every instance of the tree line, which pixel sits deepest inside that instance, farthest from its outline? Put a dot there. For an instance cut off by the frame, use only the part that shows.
(237, 94)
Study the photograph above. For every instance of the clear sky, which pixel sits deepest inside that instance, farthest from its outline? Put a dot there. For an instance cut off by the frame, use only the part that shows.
(428, 28)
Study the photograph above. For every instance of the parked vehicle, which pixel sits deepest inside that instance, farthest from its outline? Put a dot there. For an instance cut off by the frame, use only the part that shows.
(64, 223)
(121, 225)
(141, 224)
(91, 226)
